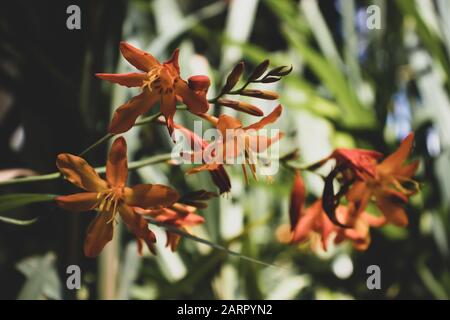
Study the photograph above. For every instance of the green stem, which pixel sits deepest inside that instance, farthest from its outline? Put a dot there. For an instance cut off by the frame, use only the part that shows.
(148, 119)
(111, 135)
(44, 177)
(97, 143)
(53, 176)
(184, 234)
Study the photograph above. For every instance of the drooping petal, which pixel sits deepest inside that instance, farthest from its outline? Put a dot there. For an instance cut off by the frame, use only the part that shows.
(221, 179)
(138, 58)
(390, 204)
(196, 103)
(78, 202)
(374, 221)
(168, 108)
(150, 196)
(270, 118)
(79, 172)
(126, 79)
(138, 225)
(395, 160)
(297, 200)
(173, 240)
(306, 222)
(117, 164)
(125, 116)
(99, 233)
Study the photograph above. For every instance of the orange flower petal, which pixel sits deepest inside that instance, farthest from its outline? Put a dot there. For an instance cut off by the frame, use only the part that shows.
(374, 221)
(395, 160)
(306, 222)
(360, 160)
(168, 108)
(225, 123)
(79, 172)
(270, 118)
(359, 194)
(126, 79)
(173, 61)
(409, 170)
(78, 202)
(196, 103)
(117, 165)
(126, 115)
(138, 225)
(138, 58)
(390, 205)
(297, 200)
(221, 179)
(149, 196)
(99, 233)
(173, 240)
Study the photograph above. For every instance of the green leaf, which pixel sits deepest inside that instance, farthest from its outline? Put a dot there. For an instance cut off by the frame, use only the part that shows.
(354, 114)
(17, 222)
(16, 200)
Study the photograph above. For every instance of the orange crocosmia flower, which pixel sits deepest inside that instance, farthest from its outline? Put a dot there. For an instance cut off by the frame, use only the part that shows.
(111, 196)
(314, 225)
(218, 174)
(392, 185)
(238, 140)
(159, 82)
(351, 165)
(179, 215)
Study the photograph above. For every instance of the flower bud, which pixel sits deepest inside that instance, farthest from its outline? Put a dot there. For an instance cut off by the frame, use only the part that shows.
(199, 83)
(261, 94)
(241, 106)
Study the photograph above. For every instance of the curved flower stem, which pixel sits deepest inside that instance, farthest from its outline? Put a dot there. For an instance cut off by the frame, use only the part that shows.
(111, 135)
(141, 122)
(184, 234)
(97, 143)
(53, 176)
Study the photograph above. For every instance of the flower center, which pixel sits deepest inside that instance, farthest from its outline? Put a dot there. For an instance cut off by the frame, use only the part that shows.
(152, 78)
(159, 79)
(108, 200)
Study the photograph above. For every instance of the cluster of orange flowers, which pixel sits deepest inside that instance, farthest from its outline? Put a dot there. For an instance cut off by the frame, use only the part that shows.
(160, 82)
(360, 175)
(361, 179)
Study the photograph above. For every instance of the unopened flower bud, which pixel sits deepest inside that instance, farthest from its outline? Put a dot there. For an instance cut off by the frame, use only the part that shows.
(199, 83)
(261, 94)
(241, 106)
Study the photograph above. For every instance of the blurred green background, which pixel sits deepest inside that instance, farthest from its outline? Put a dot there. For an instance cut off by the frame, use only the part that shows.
(351, 86)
